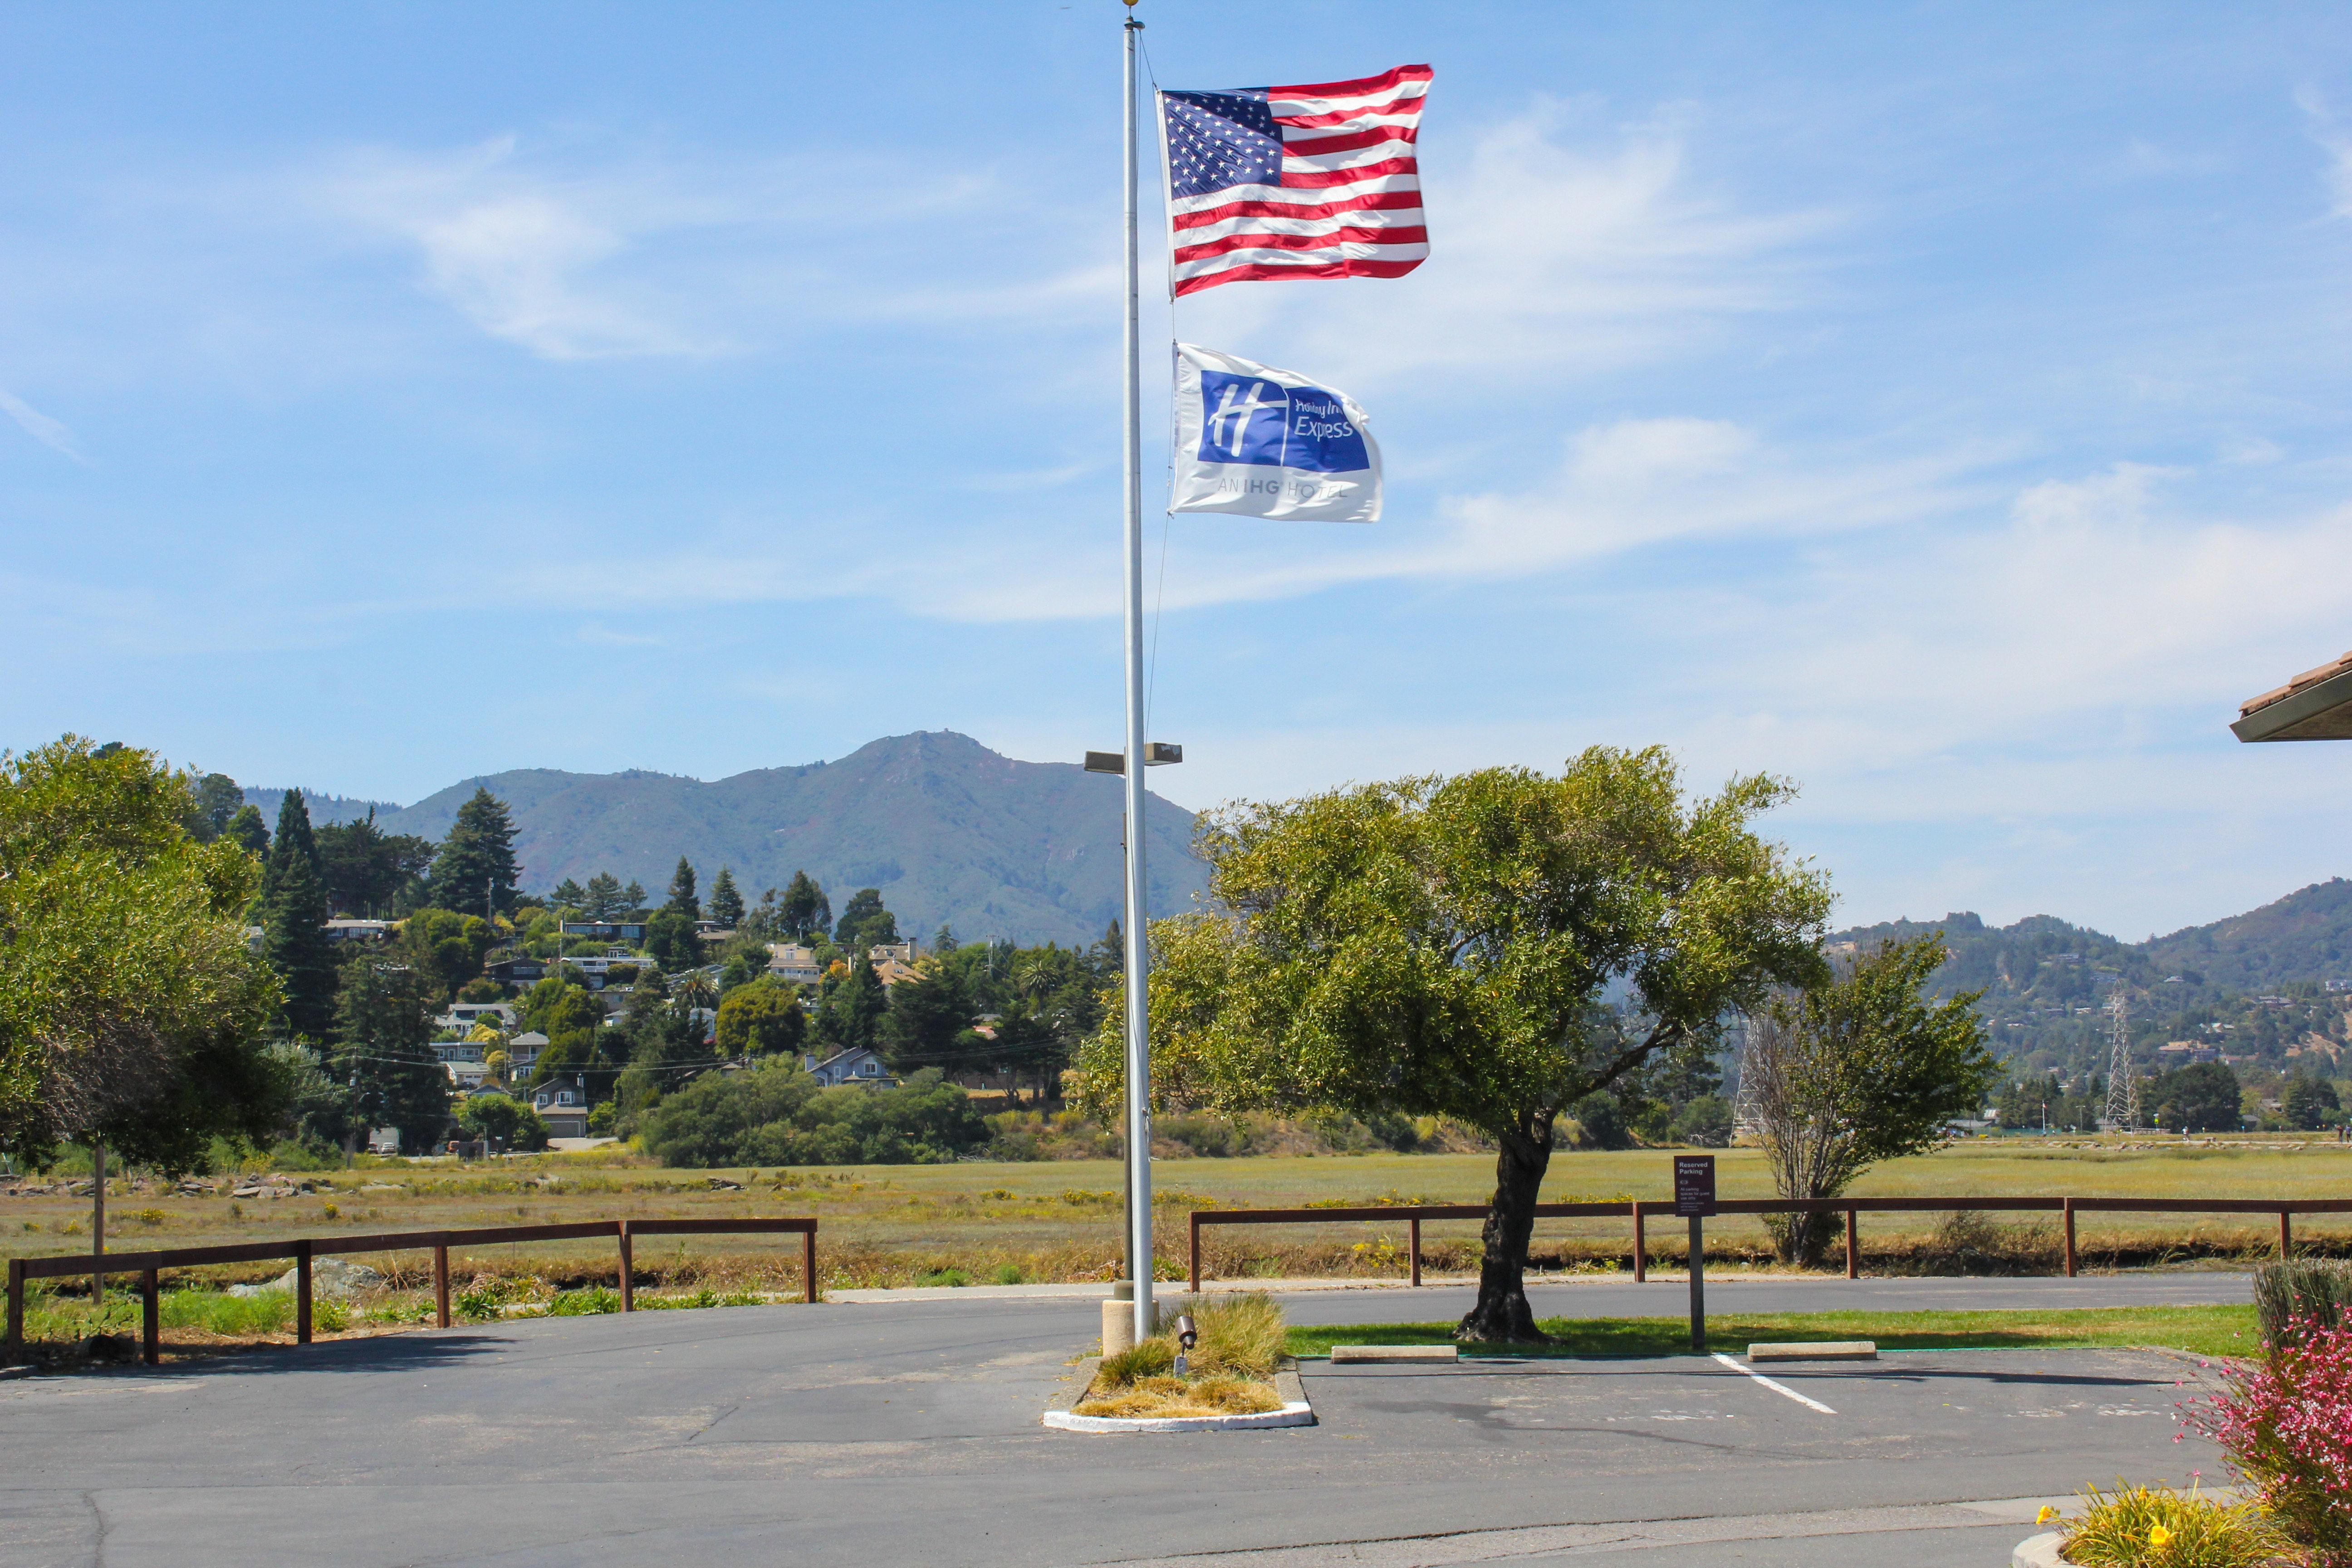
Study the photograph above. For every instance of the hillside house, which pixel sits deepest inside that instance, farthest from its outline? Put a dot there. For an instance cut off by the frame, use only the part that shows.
(462, 1016)
(630, 931)
(361, 931)
(860, 1066)
(563, 1107)
(790, 960)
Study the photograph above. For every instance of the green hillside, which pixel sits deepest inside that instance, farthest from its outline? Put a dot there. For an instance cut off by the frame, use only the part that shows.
(949, 831)
(2044, 981)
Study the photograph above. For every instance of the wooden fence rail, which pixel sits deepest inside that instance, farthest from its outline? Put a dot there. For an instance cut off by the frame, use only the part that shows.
(1641, 1211)
(149, 1265)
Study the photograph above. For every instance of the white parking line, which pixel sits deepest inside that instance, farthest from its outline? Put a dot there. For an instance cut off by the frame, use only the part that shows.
(1775, 1388)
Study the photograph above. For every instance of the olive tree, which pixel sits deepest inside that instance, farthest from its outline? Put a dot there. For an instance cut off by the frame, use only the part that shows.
(1858, 1068)
(1450, 946)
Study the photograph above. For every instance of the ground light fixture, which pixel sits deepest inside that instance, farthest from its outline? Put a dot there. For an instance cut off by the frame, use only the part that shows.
(1187, 1336)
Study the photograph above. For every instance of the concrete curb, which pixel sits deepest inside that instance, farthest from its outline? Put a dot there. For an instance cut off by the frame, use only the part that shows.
(1296, 1410)
(2039, 1551)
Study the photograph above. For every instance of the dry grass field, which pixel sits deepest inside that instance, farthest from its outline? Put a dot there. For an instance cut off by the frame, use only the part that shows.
(1058, 1220)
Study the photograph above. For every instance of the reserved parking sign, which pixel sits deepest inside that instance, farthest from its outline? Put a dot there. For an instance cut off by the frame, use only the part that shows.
(1694, 1184)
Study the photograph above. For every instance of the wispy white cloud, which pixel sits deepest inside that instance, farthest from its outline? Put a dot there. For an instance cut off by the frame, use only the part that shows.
(2330, 132)
(1557, 242)
(50, 433)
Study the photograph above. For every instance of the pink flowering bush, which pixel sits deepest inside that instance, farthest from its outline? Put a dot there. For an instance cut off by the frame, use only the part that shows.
(2286, 1424)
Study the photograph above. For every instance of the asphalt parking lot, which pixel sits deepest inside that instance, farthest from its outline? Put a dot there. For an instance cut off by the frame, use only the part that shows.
(908, 1433)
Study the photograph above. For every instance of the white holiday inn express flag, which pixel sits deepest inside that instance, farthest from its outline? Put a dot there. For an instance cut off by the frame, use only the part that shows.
(1268, 443)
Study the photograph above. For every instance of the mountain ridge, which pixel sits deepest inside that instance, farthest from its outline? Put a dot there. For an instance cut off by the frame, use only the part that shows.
(951, 832)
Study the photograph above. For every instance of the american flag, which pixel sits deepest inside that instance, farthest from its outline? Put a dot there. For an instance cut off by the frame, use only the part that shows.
(1317, 181)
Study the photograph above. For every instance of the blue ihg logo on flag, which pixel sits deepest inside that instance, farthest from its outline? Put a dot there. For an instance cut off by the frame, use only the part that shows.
(1248, 419)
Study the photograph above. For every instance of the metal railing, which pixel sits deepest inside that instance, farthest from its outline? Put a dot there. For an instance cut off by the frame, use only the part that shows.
(1641, 1211)
(149, 1265)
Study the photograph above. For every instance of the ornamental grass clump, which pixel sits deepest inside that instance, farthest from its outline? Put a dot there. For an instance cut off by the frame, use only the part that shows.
(2286, 1425)
(1237, 1345)
(2156, 1527)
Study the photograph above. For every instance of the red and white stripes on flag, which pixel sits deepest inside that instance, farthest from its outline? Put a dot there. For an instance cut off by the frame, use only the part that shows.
(1316, 181)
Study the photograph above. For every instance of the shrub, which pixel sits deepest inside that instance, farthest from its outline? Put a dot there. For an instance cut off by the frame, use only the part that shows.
(2156, 1527)
(2311, 1291)
(777, 1115)
(944, 1276)
(582, 1303)
(1006, 1274)
(2286, 1425)
(1153, 1357)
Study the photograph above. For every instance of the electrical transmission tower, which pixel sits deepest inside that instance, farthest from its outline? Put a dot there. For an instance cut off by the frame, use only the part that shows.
(2122, 1082)
(1746, 1117)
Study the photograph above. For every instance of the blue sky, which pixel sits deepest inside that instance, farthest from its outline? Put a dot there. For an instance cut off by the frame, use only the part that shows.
(1946, 407)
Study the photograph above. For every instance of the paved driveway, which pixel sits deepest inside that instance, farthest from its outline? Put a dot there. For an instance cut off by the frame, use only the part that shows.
(908, 1433)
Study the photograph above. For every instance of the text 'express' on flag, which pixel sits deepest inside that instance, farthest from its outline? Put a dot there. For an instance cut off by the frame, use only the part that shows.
(1269, 443)
(1316, 181)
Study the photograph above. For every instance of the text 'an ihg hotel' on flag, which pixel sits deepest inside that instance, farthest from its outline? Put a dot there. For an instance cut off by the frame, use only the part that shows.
(1316, 181)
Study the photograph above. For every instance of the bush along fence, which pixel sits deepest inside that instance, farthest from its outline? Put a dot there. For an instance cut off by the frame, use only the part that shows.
(149, 1265)
(1640, 1212)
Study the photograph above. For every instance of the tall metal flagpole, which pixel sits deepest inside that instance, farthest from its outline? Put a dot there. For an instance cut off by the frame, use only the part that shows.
(1137, 957)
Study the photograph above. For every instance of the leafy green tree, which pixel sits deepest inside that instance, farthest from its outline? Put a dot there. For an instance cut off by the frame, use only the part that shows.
(604, 897)
(806, 911)
(294, 912)
(474, 873)
(865, 923)
(247, 831)
(384, 1048)
(1855, 1070)
(726, 903)
(760, 1019)
(1448, 947)
(132, 1012)
(2204, 1097)
(556, 1006)
(670, 937)
(681, 891)
(2311, 1103)
(447, 948)
(213, 803)
(504, 1119)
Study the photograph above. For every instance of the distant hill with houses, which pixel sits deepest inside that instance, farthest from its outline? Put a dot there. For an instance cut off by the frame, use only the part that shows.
(951, 832)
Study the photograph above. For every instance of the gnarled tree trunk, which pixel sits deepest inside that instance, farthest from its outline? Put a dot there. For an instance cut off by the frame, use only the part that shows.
(1501, 1313)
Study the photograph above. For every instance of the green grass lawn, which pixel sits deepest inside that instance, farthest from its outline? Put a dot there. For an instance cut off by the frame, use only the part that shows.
(2203, 1330)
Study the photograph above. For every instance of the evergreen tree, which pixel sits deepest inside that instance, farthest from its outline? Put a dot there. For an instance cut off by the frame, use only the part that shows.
(475, 871)
(603, 900)
(247, 829)
(928, 1014)
(865, 923)
(384, 1015)
(633, 898)
(681, 891)
(852, 1013)
(571, 895)
(213, 803)
(806, 910)
(726, 903)
(294, 924)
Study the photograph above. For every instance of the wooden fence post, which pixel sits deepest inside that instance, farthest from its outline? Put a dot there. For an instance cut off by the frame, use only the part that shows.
(1853, 1254)
(808, 1264)
(1641, 1247)
(302, 1292)
(1194, 1220)
(1414, 1245)
(150, 1317)
(628, 1272)
(441, 1283)
(14, 1345)
(2287, 1237)
(2069, 1204)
